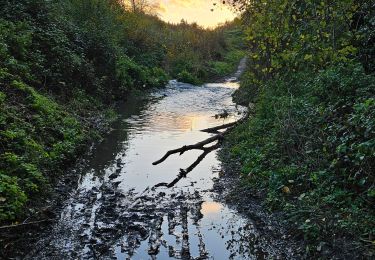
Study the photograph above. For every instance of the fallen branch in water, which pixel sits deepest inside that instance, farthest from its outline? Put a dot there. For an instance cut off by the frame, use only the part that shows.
(25, 224)
(183, 149)
(183, 172)
(228, 126)
(216, 129)
(218, 138)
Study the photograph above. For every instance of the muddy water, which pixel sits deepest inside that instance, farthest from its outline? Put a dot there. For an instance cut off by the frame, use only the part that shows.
(116, 214)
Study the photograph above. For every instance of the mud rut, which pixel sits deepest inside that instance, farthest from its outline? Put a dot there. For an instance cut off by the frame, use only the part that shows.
(110, 216)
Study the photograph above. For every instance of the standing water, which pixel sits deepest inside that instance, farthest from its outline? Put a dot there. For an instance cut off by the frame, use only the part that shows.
(115, 213)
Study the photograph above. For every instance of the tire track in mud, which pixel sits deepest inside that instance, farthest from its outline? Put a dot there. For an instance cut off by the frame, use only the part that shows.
(103, 222)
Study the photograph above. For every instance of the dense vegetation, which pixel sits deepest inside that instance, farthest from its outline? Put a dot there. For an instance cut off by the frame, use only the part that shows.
(63, 63)
(309, 145)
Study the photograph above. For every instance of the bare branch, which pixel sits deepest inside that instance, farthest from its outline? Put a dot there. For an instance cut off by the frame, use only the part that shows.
(199, 146)
(25, 224)
(183, 172)
(217, 128)
(183, 149)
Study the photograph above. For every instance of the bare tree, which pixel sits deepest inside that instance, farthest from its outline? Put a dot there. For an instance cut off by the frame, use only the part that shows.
(140, 6)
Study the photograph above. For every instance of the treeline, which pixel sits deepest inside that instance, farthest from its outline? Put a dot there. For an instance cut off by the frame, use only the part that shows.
(309, 146)
(100, 47)
(63, 63)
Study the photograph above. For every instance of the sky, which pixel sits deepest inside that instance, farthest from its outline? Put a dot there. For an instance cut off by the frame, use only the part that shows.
(198, 11)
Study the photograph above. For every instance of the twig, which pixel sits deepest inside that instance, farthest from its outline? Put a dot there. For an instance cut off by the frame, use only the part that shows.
(25, 224)
(220, 127)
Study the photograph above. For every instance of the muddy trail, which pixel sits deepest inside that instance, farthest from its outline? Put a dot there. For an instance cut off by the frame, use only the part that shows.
(115, 213)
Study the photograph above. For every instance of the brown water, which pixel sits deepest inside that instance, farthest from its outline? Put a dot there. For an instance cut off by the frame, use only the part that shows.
(115, 214)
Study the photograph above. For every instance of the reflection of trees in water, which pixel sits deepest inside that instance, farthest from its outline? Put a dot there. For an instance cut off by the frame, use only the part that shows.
(110, 217)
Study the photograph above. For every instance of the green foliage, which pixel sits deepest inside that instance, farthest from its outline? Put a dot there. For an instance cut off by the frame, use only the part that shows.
(156, 77)
(187, 77)
(313, 86)
(229, 63)
(320, 145)
(36, 136)
(12, 198)
(132, 76)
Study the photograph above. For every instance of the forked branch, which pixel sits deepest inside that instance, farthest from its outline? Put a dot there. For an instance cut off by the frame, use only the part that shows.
(183, 149)
(183, 172)
(218, 138)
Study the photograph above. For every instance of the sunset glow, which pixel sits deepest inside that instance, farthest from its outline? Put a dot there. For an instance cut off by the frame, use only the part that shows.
(203, 12)
(210, 208)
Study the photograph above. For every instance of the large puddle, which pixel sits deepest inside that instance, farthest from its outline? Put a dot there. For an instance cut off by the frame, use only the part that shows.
(116, 214)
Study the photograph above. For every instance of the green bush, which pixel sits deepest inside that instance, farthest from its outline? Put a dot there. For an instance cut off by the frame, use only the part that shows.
(229, 63)
(12, 198)
(36, 136)
(187, 77)
(156, 77)
(309, 146)
(316, 161)
(221, 68)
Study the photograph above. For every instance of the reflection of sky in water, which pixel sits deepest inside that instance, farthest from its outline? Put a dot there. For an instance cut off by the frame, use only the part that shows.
(172, 119)
(211, 208)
